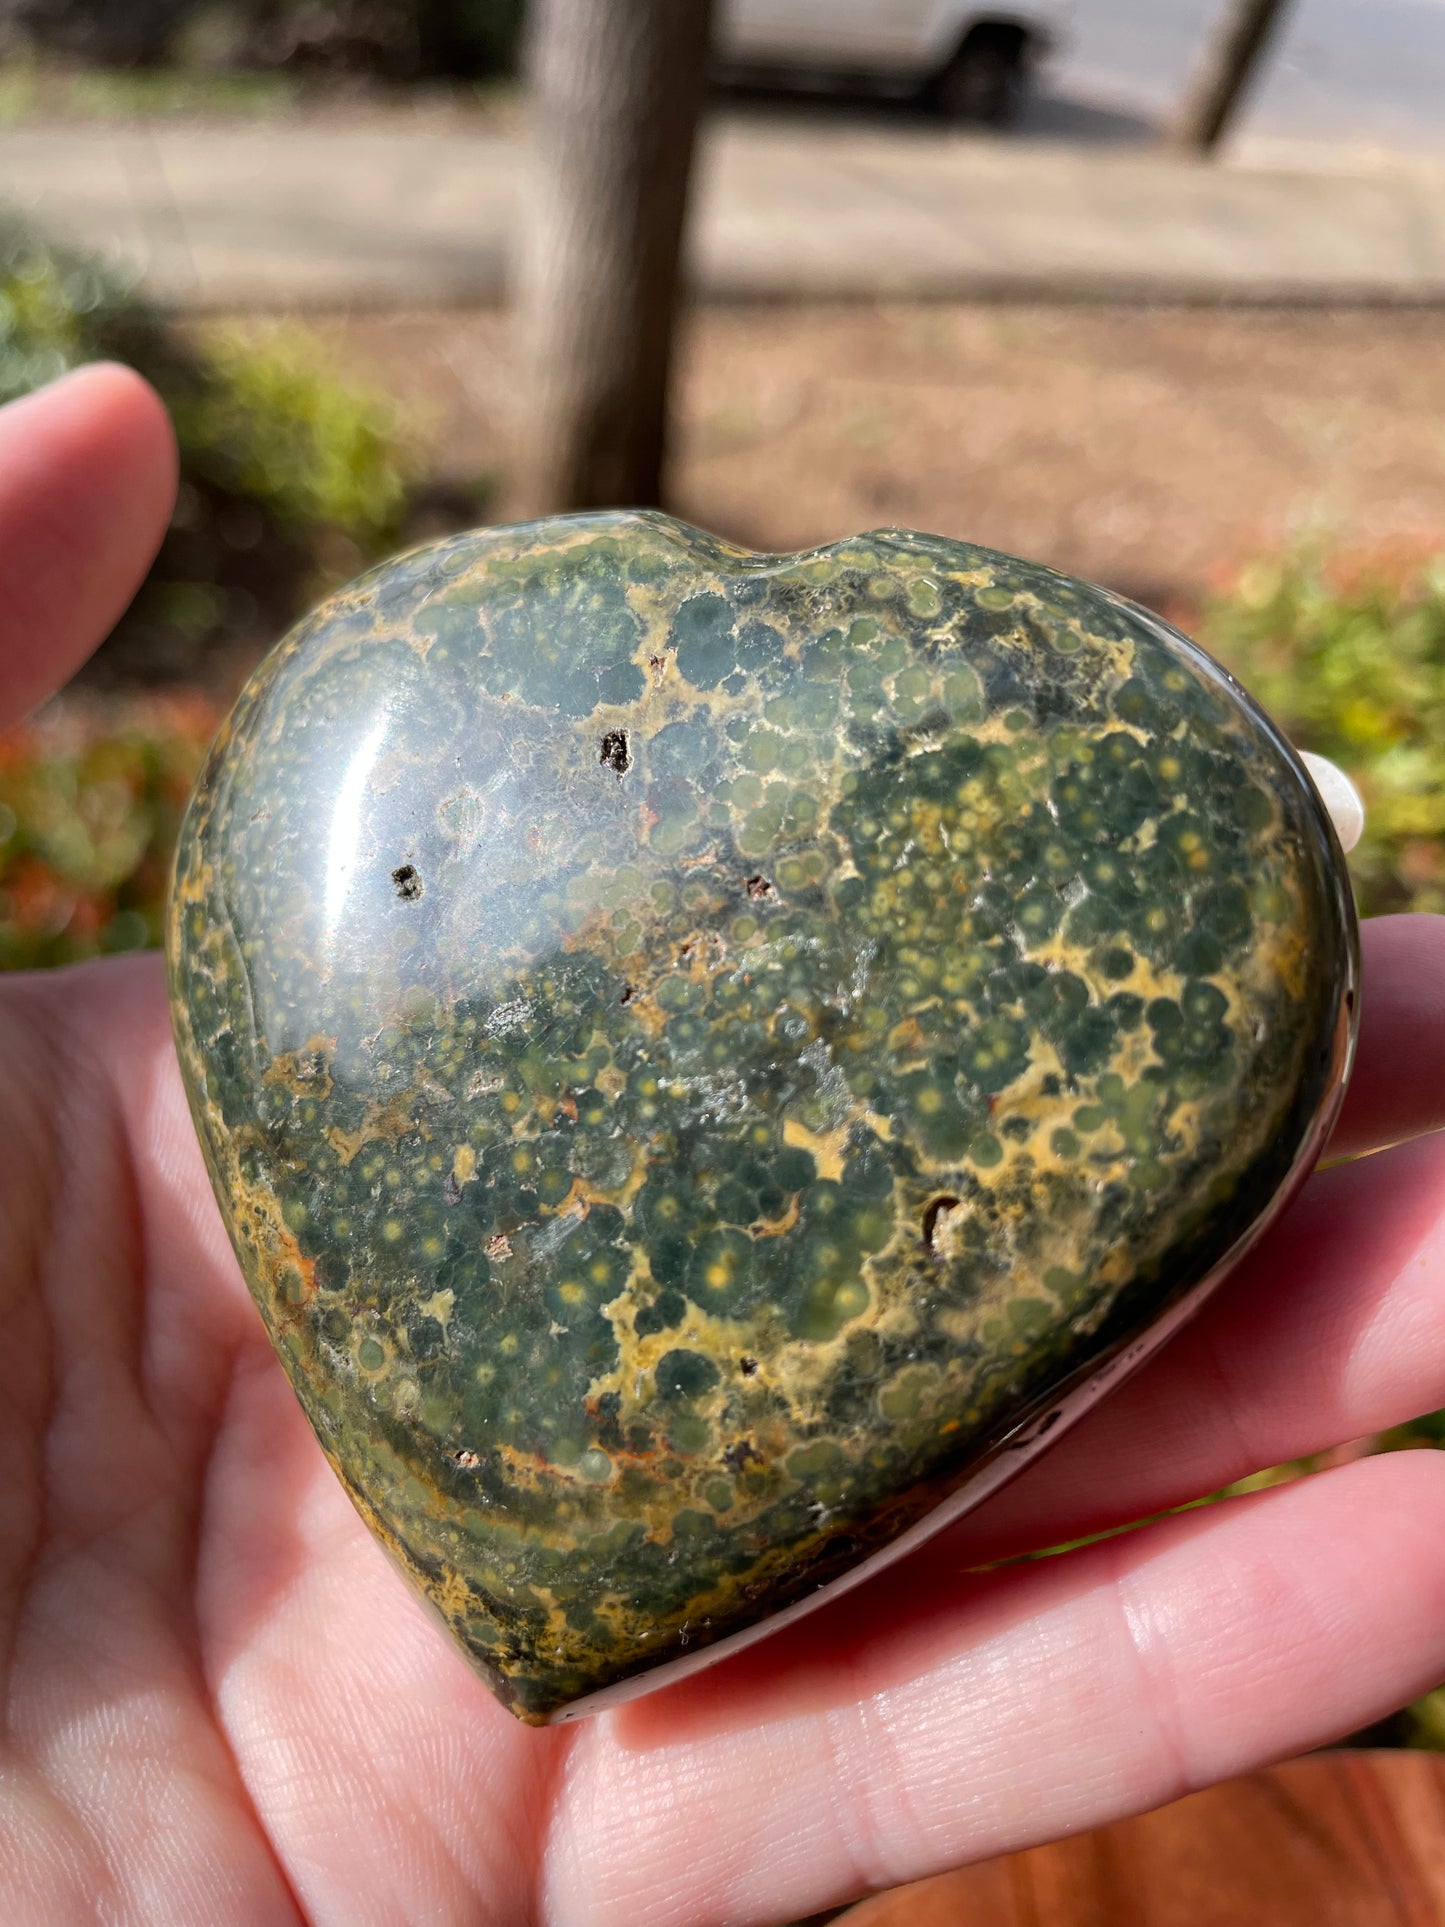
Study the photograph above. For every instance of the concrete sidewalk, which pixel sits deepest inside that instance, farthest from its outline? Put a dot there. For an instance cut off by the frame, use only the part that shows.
(284, 216)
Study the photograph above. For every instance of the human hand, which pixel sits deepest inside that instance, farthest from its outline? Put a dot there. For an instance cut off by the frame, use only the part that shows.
(222, 1705)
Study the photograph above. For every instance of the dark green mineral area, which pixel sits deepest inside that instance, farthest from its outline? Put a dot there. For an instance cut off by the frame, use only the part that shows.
(694, 1048)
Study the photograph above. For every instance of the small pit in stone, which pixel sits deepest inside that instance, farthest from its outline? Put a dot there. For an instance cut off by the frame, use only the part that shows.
(933, 1211)
(758, 888)
(628, 993)
(407, 882)
(614, 752)
(747, 1366)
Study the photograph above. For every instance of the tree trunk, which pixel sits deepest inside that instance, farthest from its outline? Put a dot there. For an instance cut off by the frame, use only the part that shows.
(1231, 58)
(617, 86)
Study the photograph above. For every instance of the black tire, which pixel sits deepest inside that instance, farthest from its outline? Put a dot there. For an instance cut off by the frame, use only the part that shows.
(983, 83)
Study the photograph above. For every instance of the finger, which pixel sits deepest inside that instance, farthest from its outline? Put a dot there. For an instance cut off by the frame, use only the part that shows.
(390, 1784)
(87, 483)
(1330, 1331)
(1398, 1088)
(111, 1021)
(884, 1740)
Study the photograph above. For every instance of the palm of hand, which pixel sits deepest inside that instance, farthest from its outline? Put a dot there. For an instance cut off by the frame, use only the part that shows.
(222, 1705)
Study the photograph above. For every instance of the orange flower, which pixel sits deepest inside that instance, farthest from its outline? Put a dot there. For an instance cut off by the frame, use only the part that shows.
(39, 903)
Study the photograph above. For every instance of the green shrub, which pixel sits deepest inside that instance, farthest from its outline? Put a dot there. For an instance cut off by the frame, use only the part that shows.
(1352, 664)
(1351, 661)
(125, 32)
(291, 479)
(401, 39)
(272, 424)
(91, 798)
(392, 39)
(472, 38)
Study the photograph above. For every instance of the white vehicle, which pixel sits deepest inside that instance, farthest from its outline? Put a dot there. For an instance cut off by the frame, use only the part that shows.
(969, 57)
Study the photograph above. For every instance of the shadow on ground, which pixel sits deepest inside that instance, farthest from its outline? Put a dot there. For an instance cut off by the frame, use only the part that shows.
(1043, 115)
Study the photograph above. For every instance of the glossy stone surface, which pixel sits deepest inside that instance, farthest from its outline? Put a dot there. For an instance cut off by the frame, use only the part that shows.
(695, 1048)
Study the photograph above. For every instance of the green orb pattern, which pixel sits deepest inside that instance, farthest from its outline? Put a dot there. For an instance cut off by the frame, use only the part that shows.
(695, 1049)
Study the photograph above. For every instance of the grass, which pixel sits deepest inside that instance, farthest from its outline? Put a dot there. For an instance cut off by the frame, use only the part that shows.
(39, 89)
(32, 89)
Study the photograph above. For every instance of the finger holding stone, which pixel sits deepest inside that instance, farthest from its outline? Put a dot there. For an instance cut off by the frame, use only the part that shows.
(1398, 1087)
(1331, 1330)
(906, 1729)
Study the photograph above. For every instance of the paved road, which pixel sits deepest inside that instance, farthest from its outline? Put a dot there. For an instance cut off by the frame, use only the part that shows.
(1368, 73)
(790, 205)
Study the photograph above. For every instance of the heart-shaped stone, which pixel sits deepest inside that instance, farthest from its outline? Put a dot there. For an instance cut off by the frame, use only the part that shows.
(697, 1051)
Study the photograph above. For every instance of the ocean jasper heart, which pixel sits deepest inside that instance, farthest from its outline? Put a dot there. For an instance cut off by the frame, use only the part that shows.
(704, 1056)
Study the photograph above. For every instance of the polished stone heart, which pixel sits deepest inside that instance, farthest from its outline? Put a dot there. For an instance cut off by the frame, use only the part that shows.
(696, 1050)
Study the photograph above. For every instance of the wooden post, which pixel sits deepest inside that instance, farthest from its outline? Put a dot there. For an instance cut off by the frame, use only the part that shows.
(1231, 57)
(617, 88)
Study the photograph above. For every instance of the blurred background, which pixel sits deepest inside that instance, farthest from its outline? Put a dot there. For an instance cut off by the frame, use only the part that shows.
(1150, 290)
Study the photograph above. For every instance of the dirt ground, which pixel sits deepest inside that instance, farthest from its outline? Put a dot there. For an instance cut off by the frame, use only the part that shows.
(1148, 449)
